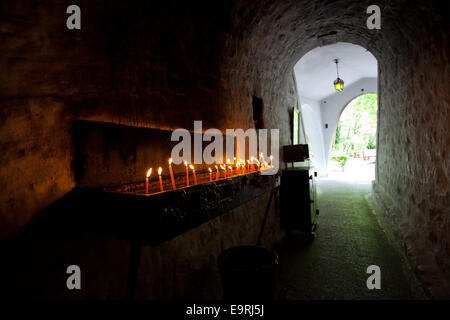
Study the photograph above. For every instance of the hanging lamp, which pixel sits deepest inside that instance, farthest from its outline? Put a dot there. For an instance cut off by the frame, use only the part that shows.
(338, 83)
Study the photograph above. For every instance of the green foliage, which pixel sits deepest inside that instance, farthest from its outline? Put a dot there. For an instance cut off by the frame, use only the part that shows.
(342, 159)
(357, 125)
(372, 144)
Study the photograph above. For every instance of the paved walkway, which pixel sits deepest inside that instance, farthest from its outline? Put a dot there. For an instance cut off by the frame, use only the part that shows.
(348, 240)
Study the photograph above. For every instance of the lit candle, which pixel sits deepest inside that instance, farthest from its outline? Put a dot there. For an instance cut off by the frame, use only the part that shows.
(171, 174)
(271, 161)
(248, 165)
(253, 167)
(224, 170)
(210, 174)
(217, 173)
(258, 163)
(187, 174)
(193, 172)
(261, 157)
(149, 172)
(231, 170)
(243, 166)
(160, 179)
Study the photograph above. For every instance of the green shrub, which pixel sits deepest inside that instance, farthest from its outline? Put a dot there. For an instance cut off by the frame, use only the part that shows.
(342, 159)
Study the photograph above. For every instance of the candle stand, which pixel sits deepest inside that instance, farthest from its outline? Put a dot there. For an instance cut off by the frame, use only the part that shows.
(125, 211)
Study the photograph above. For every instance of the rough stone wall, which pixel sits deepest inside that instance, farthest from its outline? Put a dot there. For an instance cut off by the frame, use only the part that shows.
(167, 66)
(131, 63)
(183, 268)
(35, 262)
(157, 66)
(36, 160)
(413, 157)
(147, 65)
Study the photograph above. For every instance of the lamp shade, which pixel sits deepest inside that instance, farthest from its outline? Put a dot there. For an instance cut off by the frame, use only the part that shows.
(339, 84)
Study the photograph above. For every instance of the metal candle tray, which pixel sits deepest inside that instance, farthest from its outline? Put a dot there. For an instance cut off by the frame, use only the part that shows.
(126, 212)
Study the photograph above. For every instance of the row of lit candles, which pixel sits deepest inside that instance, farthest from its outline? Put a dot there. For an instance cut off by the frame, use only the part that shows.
(240, 168)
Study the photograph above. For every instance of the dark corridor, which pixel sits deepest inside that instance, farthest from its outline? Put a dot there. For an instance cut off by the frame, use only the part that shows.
(116, 118)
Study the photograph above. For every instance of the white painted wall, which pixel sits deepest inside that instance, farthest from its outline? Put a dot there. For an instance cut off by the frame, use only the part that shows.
(327, 111)
(316, 70)
(312, 121)
(336, 103)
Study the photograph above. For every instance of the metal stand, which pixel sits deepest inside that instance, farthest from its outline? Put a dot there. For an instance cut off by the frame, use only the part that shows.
(258, 243)
(133, 269)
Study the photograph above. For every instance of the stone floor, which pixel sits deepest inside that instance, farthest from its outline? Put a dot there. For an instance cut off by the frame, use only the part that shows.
(348, 240)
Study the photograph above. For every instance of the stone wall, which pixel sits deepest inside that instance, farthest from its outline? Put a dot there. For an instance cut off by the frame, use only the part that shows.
(135, 64)
(147, 65)
(185, 267)
(413, 158)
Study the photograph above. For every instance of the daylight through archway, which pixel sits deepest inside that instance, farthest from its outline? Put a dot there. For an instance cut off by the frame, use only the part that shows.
(353, 154)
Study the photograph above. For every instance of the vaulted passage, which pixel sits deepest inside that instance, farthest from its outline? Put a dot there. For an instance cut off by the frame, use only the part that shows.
(84, 114)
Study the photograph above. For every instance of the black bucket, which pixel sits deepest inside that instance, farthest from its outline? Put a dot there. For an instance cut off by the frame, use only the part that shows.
(248, 272)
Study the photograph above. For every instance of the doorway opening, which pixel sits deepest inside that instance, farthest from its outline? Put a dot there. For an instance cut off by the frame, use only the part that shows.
(353, 153)
(321, 103)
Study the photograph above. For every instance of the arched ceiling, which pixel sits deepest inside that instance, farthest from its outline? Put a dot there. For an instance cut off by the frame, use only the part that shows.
(316, 70)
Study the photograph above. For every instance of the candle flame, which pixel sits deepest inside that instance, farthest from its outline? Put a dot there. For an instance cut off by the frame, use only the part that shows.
(217, 168)
(261, 155)
(229, 167)
(271, 157)
(185, 163)
(228, 160)
(159, 170)
(251, 158)
(170, 161)
(222, 167)
(149, 172)
(192, 167)
(209, 169)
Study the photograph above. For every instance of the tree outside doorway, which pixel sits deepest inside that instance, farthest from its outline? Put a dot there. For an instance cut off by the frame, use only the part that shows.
(354, 148)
